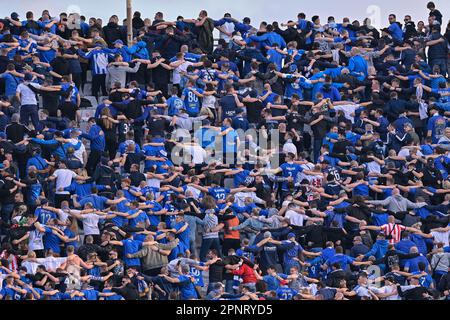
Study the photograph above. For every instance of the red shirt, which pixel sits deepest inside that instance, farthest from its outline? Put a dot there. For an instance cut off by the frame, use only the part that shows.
(247, 274)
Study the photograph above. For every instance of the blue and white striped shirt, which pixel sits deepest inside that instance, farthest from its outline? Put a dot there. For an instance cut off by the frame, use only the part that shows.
(98, 60)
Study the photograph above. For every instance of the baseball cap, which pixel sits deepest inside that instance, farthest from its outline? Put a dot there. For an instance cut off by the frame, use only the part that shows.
(291, 235)
(118, 42)
(28, 77)
(14, 15)
(267, 234)
(2, 135)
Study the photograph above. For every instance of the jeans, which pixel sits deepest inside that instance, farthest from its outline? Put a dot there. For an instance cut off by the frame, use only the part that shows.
(317, 147)
(229, 286)
(208, 244)
(30, 111)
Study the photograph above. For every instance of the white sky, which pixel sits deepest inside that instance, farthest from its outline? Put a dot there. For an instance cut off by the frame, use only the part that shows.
(258, 10)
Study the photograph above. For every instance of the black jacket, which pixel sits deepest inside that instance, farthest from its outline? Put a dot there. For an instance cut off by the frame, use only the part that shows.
(112, 32)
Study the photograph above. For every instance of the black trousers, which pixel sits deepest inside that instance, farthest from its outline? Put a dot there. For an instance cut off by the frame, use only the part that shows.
(163, 87)
(77, 79)
(230, 244)
(93, 161)
(138, 132)
(99, 82)
(152, 272)
(60, 198)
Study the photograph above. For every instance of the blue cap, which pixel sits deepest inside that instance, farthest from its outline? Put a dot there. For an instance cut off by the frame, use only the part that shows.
(118, 42)
(291, 235)
(28, 77)
(2, 135)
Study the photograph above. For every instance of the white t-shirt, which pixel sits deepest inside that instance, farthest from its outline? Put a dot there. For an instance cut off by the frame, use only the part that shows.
(385, 290)
(78, 153)
(195, 192)
(295, 218)
(63, 179)
(348, 110)
(405, 153)
(441, 237)
(228, 27)
(177, 72)
(90, 224)
(27, 96)
(198, 154)
(36, 240)
(209, 102)
(63, 215)
(373, 167)
(154, 183)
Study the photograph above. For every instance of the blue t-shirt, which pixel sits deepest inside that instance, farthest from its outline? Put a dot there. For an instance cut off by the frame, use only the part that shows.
(131, 246)
(290, 170)
(174, 105)
(198, 275)
(219, 193)
(285, 293)
(191, 101)
(187, 288)
(51, 241)
(273, 283)
(43, 216)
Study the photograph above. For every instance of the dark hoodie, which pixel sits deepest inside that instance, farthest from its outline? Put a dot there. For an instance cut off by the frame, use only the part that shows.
(112, 32)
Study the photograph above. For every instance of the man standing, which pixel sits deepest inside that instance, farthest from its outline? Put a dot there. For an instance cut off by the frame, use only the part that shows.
(28, 101)
(97, 138)
(99, 66)
(63, 177)
(438, 49)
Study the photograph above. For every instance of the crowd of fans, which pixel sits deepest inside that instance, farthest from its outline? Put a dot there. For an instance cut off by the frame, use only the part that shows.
(164, 194)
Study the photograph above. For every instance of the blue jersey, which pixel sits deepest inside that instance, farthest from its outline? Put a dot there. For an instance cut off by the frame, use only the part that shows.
(90, 294)
(99, 60)
(198, 275)
(43, 216)
(51, 241)
(437, 125)
(183, 236)
(174, 104)
(187, 288)
(191, 101)
(290, 170)
(114, 297)
(285, 293)
(219, 193)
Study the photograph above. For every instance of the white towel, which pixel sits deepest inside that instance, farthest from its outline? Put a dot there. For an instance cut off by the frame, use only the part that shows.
(423, 110)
